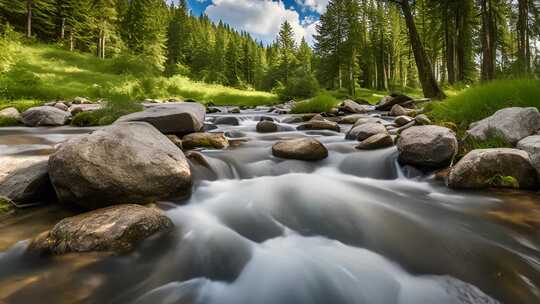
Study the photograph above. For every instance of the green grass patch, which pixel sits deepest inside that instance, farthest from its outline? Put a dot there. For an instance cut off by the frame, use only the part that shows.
(43, 73)
(483, 100)
(494, 141)
(318, 104)
(8, 121)
(107, 115)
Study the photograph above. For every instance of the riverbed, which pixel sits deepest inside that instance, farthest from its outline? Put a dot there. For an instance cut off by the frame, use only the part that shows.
(353, 228)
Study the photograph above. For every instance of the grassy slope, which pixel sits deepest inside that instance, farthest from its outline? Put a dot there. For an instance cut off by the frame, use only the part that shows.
(45, 72)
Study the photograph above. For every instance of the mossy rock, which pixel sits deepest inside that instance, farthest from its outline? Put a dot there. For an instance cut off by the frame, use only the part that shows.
(6, 205)
(501, 181)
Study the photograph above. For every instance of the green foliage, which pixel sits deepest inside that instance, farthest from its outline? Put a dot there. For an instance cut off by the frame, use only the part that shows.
(318, 104)
(132, 64)
(106, 116)
(5, 205)
(298, 86)
(8, 121)
(483, 100)
(494, 141)
(501, 181)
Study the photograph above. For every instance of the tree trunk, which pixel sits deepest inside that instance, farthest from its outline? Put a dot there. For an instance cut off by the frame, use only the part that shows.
(63, 29)
(522, 37)
(71, 40)
(425, 72)
(488, 41)
(450, 47)
(29, 4)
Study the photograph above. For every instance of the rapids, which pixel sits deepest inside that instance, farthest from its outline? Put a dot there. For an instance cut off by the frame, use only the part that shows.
(354, 228)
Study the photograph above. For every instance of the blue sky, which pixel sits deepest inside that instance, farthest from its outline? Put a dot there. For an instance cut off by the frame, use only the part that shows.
(262, 18)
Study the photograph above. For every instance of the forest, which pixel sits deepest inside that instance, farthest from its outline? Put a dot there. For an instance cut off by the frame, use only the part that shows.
(382, 45)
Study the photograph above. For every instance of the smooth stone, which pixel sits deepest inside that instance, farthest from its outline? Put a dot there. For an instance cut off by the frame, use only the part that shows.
(205, 140)
(308, 149)
(427, 146)
(292, 120)
(398, 110)
(319, 125)
(531, 145)
(267, 127)
(389, 101)
(227, 120)
(403, 120)
(45, 116)
(481, 168)
(351, 106)
(366, 130)
(61, 106)
(352, 119)
(377, 141)
(10, 112)
(116, 229)
(422, 120)
(130, 162)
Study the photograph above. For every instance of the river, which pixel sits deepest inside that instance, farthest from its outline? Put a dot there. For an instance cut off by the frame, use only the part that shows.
(353, 228)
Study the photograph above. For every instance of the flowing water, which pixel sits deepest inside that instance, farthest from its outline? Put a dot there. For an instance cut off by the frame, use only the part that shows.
(354, 228)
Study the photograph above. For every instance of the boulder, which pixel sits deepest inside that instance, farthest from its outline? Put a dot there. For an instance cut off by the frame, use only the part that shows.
(10, 112)
(366, 120)
(422, 120)
(61, 106)
(398, 110)
(350, 106)
(130, 162)
(45, 116)
(293, 120)
(234, 111)
(366, 130)
(403, 120)
(427, 146)
(227, 120)
(115, 229)
(317, 117)
(308, 149)
(352, 119)
(76, 109)
(319, 125)
(377, 141)
(25, 181)
(175, 140)
(531, 145)
(388, 102)
(501, 167)
(179, 118)
(267, 126)
(205, 140)
(513, 124)
(80, 100)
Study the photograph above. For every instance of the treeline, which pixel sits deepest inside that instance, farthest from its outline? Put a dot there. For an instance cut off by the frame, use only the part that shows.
(400, 43)
(380, 44)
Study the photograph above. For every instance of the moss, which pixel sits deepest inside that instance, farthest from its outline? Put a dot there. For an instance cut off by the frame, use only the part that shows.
(8, 121)
(501, 181)
(5, 205)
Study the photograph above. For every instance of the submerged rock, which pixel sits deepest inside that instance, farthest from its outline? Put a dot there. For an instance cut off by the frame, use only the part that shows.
(300, 148)
(513, 124)
(366, 130)
(178, 118)
(205, 140)
(115, 229)
(319, 125)
(377, 141)
(427, 146)
(501, 167)
(227, 120)
(123, 163)
(45, 116)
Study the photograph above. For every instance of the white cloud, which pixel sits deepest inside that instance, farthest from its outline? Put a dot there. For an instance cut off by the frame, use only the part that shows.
(318, 6)
(261, 18)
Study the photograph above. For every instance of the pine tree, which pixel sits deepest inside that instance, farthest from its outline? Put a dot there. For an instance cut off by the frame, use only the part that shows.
(286, 47)
(232, 62)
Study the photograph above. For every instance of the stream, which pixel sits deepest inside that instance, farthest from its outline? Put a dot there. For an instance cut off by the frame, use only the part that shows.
(353, 228)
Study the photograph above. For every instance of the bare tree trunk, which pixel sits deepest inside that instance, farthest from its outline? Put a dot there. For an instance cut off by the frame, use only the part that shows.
(522, 37)
(29, 4)
(488, 41)
(63, 29)
(103, 46)
(71, 40)
(430, 86)
(450, 47)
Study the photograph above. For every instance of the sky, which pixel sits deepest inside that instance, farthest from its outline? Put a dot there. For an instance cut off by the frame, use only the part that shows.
(262, 18)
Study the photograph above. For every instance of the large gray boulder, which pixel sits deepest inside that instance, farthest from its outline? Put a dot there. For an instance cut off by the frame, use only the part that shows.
(128, 162)
(178, 118)
(115, 229)
(366, 130)
(501, 167)
(25, 181)
(45, 116)
(300, 148)
(513, 124)
(531, 145)
(427, 146)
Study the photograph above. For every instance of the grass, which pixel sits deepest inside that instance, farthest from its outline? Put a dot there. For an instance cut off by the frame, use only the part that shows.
(321, 103)
(43, 73)
(469, 144)
(483, 100)
(8, 121)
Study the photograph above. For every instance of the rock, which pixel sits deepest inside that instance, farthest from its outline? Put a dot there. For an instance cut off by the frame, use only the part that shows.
(531, 145)
(205, 140)
(115, 229)
(80, 100)
(353, 107)
(45, 116)
(353, 118)
(403, 120)
(25, 181)
(398, 110)
(308, 149)
(267, 127)
(76, 109)
(234, 111)
(377, 141)
(175, 140)
(319, 125)
(502, 167)
(211, 110)
(427, 146)
(387, 102)
(129, 162)
(266, 118)
(513, 124)
(317, 117)
(422, 120)
(369, 119)
(364, 131)
(10, 112)
(179, 118)
(405, 127)
(61, 106)
(292, 120)
(227, 120)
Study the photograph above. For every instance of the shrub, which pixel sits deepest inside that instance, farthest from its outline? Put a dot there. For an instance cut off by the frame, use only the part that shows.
(302, 86)
(318, 104)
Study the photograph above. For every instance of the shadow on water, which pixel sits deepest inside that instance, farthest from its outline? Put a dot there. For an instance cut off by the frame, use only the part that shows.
(348, 229)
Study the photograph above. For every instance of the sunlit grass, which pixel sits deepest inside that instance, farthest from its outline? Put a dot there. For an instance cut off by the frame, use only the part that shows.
(318, 104)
